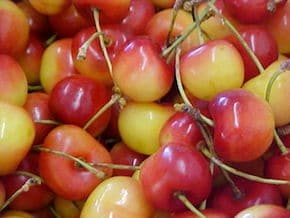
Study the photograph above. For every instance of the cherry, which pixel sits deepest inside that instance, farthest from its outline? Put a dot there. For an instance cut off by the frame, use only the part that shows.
(263, 45)
(208, 212)
(243, 125)
(252, 193)
(250, 12)
(161, 173)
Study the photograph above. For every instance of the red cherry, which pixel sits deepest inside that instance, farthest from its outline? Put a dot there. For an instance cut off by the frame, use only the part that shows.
(161, 175)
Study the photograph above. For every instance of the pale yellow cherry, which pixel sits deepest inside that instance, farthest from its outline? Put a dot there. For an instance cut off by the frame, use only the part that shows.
(280, 91)
(140, 123)
(117, 197)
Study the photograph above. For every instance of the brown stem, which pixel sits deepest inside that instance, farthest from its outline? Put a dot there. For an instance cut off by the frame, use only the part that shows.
(116, 166)
(188, 204)
(100, 174)
(50, 122)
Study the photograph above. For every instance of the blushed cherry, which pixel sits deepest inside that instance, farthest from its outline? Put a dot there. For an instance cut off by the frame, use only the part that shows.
(264, 211)
(50, 7)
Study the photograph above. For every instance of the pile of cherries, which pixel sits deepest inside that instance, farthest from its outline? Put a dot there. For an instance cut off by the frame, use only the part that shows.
(144, 108)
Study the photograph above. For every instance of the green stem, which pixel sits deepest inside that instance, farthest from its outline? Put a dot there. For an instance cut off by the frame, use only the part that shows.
(236, 172)
(188, 204)
(116, 166)
(35, 88)
(112, 101)
(50, 122)
(239, 37)
(199, 30)
(100, 174)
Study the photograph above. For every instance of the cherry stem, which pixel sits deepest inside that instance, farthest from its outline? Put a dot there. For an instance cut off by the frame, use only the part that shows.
(50, 122)
(96, 15)
(113, 100)
(32, 181)
(198, 27)
(29, 174)
(116, 166)
(273, 78)
(54, 213)
(236, 172)
(32, 88)
(185, 34)
(100, 174)
(188, 204)
(82, 54)
(181, 89)
(239, 37)
(50, 40)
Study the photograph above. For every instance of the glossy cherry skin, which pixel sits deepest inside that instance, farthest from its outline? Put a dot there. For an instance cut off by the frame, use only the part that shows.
(95, 65)
(261, 42)
(63, 175)
(249, 12)
(76, 99)
(122, 154)
(180, 128)
(140, 72)
(253, 193)
(140, 12)
(244, 125)
(264, 211)
(278, 167)
(37, 106)
(161, 173)
(37, 197)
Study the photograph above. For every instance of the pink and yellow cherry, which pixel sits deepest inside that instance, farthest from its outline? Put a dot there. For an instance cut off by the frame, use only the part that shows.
(56, 170)
(56, 63)
(123, 155)
(16, 25)
(211, 68)
(94, 64)
(76, 99)
(14, 147)
(67, 208)
(279, 26)
(112, 11)
(50, 7)
(140, 124)
(118, 196)
(254, 11)
(37, 106)
(280, 91)
(140, 12)
(180, 128)
(59, 22)
(264, 211)
(30, 59)
(13, 83)
(278, 167)
(38, 23)
(252, 193)
(140, 72)
(161, 175)
(37, 196)
(243, 125)
(261, 42)
(159, 25)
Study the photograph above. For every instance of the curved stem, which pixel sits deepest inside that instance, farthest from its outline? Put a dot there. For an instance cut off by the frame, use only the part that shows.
(280, 144)
(82, 54)
(29, 174)
(188, 204)
(100, 174)
(112, 101)
(239, 37)
(24, 188)
(116, 166)
(96, 15)
(198, 27)
(236, 172)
